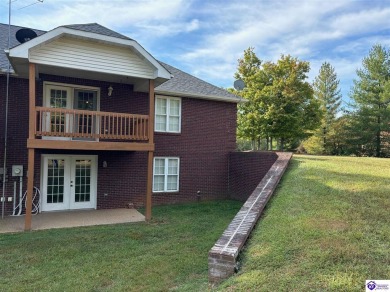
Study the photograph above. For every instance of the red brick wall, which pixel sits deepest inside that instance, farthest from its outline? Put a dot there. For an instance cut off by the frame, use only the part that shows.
(17, 131)
(246, 170)
(208, 135)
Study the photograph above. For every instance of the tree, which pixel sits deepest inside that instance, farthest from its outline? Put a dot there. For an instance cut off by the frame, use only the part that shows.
(280, 100)
(371, 96)
(292, 111)
(250, 115)
(326, 90)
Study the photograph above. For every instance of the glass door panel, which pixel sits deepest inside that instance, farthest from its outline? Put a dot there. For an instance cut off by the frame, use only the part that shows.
(57, 97)
(85, 124)
(55, 181)
(83, 179)
(55, 184)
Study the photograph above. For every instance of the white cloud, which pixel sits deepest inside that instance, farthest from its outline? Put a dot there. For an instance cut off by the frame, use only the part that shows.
(169, 29)
(207, 37)
(310, 31)
(362, 21)
(113, 14)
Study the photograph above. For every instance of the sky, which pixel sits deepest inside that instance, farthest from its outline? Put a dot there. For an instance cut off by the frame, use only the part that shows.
(206, 37)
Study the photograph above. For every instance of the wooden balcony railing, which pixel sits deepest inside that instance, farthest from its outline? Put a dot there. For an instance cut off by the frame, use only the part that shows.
(92, 125)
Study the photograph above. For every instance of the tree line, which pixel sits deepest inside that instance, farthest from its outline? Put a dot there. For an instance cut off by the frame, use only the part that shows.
(284, 111)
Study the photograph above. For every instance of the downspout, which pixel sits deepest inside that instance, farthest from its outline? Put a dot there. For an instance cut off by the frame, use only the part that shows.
(6, 115)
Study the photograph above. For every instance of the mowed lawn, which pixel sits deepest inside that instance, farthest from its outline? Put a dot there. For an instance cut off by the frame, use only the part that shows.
(170, 253)
(327, 228)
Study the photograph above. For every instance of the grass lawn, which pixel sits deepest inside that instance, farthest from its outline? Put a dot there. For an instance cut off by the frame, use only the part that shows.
(326, 229)
(170, 253)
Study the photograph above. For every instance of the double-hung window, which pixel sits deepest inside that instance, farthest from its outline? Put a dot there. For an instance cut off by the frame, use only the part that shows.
(166, 174)
(168, 114)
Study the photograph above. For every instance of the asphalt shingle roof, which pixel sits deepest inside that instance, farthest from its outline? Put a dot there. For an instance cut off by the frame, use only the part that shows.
(181, 84)
(184, 83)
(14, 42)
(97, 28)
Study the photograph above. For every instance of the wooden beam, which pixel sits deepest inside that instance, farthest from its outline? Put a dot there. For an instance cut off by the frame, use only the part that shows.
(30, 189)
(82, 145)
(32, 118)
(149, 180)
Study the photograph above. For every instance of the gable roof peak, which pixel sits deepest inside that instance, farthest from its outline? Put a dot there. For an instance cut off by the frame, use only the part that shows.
(96, 28)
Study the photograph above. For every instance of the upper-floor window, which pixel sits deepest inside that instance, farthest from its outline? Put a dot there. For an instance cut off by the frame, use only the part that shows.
(168, 114)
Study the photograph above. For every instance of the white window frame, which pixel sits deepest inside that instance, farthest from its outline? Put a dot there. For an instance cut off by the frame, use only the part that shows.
(166, 159)
(168, 99)
(47, 85)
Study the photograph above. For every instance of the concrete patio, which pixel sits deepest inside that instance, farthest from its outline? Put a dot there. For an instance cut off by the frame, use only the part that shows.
(66, 219)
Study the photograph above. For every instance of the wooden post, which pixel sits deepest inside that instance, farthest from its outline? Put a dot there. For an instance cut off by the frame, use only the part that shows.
(31, 151)
(30, 187)
(151, 112)
(32, 118)
(149, 183)
(148, 213)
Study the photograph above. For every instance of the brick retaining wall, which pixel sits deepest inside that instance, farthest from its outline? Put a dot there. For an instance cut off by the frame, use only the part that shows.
(223, 256)
(246, 169)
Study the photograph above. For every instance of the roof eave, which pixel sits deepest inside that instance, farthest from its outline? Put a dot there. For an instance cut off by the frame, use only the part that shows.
(199, 96)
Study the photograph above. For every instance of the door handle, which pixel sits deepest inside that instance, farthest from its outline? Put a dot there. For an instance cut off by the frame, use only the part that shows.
(71, 184)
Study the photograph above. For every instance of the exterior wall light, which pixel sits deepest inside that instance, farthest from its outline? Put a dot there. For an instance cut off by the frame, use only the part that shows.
(110, 89)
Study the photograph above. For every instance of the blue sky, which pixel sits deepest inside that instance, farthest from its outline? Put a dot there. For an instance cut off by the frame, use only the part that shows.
(205, 38)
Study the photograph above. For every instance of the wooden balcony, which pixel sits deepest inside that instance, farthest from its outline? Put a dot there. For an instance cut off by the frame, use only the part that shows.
(77, 129)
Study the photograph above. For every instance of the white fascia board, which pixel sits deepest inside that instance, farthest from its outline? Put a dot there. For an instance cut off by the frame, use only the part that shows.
(200, 96)
(22, 50)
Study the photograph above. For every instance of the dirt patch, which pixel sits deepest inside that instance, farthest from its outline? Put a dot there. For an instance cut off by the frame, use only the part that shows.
(328, 224)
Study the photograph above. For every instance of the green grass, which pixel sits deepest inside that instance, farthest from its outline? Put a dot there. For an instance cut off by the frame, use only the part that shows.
(327, 228)
(170, 253)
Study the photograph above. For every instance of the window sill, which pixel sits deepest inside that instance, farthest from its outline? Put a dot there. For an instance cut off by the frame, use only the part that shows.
(165, 192)
(167, 133)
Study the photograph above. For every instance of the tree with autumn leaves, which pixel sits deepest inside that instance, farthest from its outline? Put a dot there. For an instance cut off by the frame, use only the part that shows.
(280, 103)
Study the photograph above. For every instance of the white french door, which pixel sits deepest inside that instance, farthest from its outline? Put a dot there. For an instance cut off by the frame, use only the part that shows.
(69, 182)
(58, 97)
(70, 98)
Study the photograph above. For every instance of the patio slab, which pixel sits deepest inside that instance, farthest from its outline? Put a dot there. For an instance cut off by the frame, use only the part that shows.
(66, 219)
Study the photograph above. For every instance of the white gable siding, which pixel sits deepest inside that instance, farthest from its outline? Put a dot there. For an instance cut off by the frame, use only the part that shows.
(91, 56)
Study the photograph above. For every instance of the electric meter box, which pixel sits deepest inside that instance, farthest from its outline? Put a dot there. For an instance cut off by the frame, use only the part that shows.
(17, 170)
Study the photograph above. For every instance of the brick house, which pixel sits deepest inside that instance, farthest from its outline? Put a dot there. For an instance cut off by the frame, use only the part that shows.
(97, 122)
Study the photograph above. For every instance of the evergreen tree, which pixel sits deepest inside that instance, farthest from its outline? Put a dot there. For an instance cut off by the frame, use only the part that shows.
(371, 96)
(326, 90)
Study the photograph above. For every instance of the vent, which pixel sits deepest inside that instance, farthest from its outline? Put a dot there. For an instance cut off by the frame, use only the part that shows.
(25, 34)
